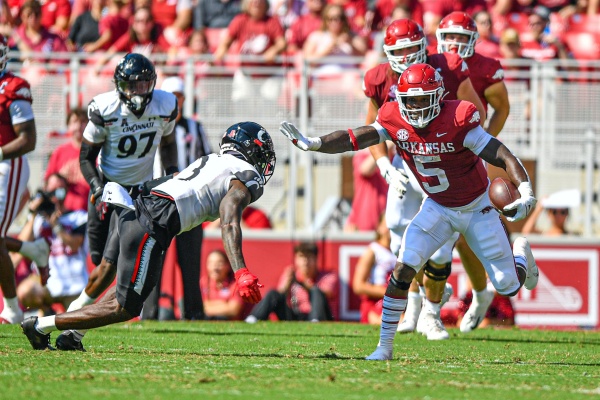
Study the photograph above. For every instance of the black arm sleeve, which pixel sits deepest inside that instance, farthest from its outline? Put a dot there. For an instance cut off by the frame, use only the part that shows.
(87, 162)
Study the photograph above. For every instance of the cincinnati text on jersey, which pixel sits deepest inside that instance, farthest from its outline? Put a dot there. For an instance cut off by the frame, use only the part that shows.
(137, 127)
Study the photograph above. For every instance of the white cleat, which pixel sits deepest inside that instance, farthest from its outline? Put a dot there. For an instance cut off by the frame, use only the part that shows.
(380, 354)
(433, 327)
(406, 326)
(476, 312)
(521, 247)
(41, 253)
(448, 292)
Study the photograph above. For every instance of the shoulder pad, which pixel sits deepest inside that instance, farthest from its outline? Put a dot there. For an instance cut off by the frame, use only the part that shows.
(16, 88)
(164, 105)
(94, 114)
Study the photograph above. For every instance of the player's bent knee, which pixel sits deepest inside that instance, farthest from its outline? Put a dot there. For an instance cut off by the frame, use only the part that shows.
(506, 285)
(410, 258)
(437, 272)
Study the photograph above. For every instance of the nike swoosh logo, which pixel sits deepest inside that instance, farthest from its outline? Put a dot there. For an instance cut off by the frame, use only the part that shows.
(441, 134)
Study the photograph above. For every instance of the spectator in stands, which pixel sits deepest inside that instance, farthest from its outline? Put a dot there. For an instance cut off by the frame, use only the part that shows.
(56, 15)
(215, 13)
(510, 45)
(144, 37)
(65, 230)
(288, 11)
(174, 18)
(335, 38)
(32, 36)
(7, 22)
(219, 295)
(370, 193)
(385, 13)
(64, 160)
(540, 44)
(372, 273)
(556, 207)
(488, 44)
(355, 12)
(307, 23)
(256, 32)
(304, 293)
(94, 31)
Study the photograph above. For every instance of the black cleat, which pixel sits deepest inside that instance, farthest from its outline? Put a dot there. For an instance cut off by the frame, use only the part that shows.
(38, 341)
(66, 342)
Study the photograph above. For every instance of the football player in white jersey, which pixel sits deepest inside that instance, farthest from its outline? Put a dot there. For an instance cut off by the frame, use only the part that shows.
(214, 186)
(126, 127)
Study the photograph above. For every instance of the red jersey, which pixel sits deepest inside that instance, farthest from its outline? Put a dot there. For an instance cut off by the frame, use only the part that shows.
(255, 37)
(11, 88)
(450, 173)
(380, 82)
(485, 72)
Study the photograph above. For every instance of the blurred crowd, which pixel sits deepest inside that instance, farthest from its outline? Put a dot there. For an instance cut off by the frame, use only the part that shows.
(535, 29)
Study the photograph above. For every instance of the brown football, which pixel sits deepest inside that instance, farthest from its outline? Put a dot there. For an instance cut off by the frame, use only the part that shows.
(502, 193)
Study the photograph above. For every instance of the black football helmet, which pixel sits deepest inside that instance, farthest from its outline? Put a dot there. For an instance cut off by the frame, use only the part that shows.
(254, 143)
(135, 78)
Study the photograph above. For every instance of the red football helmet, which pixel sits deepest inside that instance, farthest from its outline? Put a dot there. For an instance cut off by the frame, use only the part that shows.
(3, 53)
(403, 33)
(461, 23)
(419, 80)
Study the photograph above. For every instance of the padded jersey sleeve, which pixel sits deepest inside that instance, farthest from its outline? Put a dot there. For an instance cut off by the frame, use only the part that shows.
(20, 111)
(476, 139)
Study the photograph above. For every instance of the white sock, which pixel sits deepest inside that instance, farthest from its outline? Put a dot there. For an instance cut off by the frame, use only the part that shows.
(521, 260)
(392, 309)
(46, 325)
(413, 306)
(479, 296)
(81, 301)
(421, 291)
(11, 305)
(431, 308)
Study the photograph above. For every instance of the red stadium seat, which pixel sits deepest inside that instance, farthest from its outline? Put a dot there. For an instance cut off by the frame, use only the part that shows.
(584, 23)
(583, 45)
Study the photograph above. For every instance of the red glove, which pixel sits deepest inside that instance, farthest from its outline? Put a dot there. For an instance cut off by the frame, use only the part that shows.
(101, 209)
(248, 286)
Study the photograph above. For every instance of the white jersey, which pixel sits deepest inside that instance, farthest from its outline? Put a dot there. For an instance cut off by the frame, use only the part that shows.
(385, 261)
(199, 189)
(129, 142)
(68, 269)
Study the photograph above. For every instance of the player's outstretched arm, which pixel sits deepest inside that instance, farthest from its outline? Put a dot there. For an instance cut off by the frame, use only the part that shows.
(499, 155)
(230, 212)
(335, 142)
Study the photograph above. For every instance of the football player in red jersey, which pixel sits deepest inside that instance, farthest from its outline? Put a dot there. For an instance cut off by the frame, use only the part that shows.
(405, 44)
(457, 33)
(443, 144)
(17, 138)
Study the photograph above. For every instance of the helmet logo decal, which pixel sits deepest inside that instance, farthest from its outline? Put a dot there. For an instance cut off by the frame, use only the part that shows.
(260, 135)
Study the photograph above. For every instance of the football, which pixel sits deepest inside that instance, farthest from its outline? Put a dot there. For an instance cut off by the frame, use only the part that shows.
(502, 193)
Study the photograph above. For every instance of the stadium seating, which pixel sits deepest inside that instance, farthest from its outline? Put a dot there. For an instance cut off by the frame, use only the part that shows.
(584, 23)
(583, 45)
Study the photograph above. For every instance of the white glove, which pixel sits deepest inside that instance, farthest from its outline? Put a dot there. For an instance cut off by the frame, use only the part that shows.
(524, 205)
(298, 139)
(396, 178)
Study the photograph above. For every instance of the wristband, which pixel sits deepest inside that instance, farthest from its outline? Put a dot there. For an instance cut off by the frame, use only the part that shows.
(1, 155)
(353, 140)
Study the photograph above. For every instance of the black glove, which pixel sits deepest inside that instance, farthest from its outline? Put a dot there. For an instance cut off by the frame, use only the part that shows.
(96, 188)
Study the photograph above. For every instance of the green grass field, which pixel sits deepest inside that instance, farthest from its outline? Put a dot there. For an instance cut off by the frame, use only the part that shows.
(196, 360)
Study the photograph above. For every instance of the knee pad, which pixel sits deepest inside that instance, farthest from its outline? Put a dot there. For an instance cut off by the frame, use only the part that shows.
(437, 274)
(411, 259)
(505, 285)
